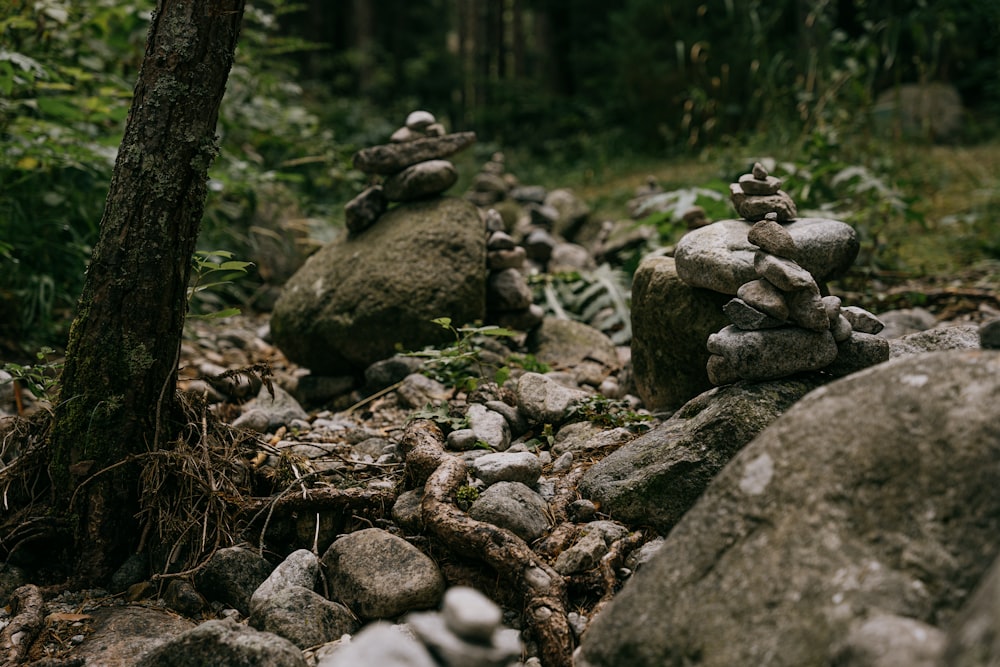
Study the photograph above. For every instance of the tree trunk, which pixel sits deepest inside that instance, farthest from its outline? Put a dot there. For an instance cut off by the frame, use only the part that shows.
(118, 385)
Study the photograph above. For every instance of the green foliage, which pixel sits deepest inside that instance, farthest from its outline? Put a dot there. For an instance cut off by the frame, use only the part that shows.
(442, 416)
(213, 270)
(65, 77)
(41, 379)
(609, 412)
(461, 365)
(465, 495)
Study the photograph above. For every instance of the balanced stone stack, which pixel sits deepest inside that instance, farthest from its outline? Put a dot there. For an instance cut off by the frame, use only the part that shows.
(775, 266)
(781, 323)
(509, 300)
(412, 166)
(758, 193)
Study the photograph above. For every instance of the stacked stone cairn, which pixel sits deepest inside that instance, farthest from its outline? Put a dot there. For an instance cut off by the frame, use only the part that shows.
(412, 166)
(781, 322)
(509, 300)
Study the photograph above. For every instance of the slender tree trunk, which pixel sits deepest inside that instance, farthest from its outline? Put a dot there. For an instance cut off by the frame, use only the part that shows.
(118, 385)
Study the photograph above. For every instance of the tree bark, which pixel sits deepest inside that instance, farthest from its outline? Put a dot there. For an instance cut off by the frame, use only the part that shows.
(118, 385)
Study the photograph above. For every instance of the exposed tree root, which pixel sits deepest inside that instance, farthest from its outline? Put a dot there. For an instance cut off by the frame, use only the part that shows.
(324, 498)
(29, 618)
(543, 588)
(611, 563)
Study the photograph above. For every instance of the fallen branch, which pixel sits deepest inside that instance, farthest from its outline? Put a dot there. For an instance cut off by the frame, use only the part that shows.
(15, 639)
(543, 588)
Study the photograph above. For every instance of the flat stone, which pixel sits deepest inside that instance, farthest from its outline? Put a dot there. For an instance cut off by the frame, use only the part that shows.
(773, 353)
(861, 320)
(748, 317)
(523, 467)
(784, 274)
(470, 614)
(769, 185)
(858, 351)
(392, 158)
(381, 643)
(420, 120)
(420, 180)
(806, 308)
(755, 207)
(545, 401)
(762, 295)
(507, 289)
(772, 237)
(489, 426)
(719, 257)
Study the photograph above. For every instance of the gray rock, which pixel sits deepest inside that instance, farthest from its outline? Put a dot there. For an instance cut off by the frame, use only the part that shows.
(224, 644)
(719, 257)
(455, 651)
(419, 120)
(773, 353)
(470, 614)
(123, 634)
(670, 323)
(783, 273)
(586, 552)
(515, 420)
(569, 257)
(358, 297)
(885, 640)
(989, 335)
(528, 194)
(859, 351)
(841, 330)
(462, 440)
(232, 575)
(542, 400)
(657, 477)
(755, 207)
(573, 212)
(861, 320)
(406, 511)
(846, 506)
(300, 568)
(507, 290)
(361, 212)
(765, 297)
(906, 321)
(771, 237)
(391, 158)
(420, 180)
(746, 316)
(972, 638)
(513, 506)
(586, 437)
(386, 372)
(561, 343)
(751, 185)
(418, 391)
(962, 337)
(303, 617)
(182, 597)
(270, 411)
(521, 320)
(538, 245)
(379, 575)
(380, 644)
(488, 426)
(522, 467)
(931, 110)
(806, 308)
(497, 260)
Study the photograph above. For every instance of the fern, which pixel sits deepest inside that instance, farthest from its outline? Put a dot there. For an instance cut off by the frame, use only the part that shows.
(599, 298)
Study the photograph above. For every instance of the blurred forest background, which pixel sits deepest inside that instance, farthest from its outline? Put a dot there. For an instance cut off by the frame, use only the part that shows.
(586, 94)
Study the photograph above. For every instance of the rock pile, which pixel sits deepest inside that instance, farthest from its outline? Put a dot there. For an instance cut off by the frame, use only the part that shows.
(775, 265)
(509, 300)
(781, 323)
(756, 194)
(412, 166)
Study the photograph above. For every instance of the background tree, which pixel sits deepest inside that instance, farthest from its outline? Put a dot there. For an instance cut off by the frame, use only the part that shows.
(118, 386)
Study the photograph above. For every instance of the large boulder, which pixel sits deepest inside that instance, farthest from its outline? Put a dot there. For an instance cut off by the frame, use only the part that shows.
(671, 322)
(657, 477)
(358, 297)
(876, 494)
